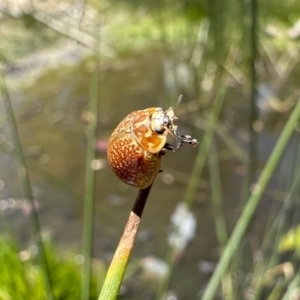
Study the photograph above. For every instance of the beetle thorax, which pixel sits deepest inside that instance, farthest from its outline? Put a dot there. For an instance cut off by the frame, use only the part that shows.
(162, 121)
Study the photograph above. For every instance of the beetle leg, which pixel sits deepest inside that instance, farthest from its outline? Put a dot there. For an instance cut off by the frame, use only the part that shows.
(162, 152)
(168, 147)
(187, 139)
(180, 139)
(185, 136)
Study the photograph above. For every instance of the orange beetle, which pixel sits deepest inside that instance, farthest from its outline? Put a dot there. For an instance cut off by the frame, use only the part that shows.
(137, 144)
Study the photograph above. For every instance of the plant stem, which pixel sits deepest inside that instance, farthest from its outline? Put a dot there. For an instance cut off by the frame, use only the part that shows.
(26, 185)
(251, 205)
(195, 178)
(116, 271)
(217, 199)
(253, 110)
(205, 146)
(89, 187)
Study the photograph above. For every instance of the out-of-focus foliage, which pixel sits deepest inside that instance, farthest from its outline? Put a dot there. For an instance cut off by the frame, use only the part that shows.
(291, 241)
(25, 32)
(21, 276)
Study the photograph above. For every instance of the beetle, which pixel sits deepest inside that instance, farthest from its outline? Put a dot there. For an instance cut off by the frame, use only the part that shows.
(138, 143)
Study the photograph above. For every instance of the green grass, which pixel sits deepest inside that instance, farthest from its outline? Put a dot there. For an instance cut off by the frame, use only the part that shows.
(21, 277)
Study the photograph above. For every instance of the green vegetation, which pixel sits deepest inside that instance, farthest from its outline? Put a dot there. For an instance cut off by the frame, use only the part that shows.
(22, 278)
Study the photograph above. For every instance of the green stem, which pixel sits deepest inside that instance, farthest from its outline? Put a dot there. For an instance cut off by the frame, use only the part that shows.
(251, 205)
(117, 268)
(253, 110)
(276, 232)
(204, 148)
(89, 187)
(26, 185)
(164, 283)
(217, 199)
(195, 179)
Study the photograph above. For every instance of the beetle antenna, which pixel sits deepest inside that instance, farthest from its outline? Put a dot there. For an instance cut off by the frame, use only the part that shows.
(178, 101)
